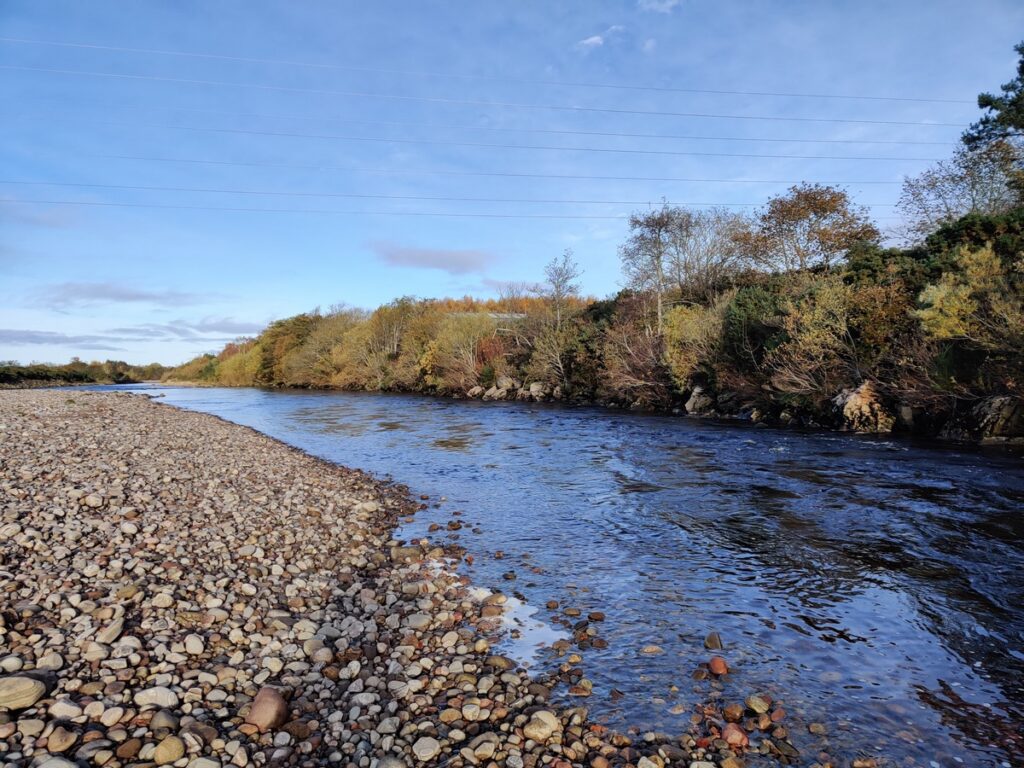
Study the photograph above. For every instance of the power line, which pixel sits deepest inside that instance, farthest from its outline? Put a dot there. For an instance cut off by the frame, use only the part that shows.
(486, 145)
(489, 78)
(472, 102)
(311, 210)
(497, 174)
(507, 129)
(367, 196)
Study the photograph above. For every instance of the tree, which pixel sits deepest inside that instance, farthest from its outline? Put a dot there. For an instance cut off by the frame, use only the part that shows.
(977, 180)
(561, 274)
(811, 225)
(644, 254)
(452, 360)
(1006, 112)
(702, 251)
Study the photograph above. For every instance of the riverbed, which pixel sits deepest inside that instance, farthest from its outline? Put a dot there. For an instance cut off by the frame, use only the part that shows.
(874, 586)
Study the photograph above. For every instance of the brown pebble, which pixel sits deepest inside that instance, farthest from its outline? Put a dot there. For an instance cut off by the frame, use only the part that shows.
(718, 666)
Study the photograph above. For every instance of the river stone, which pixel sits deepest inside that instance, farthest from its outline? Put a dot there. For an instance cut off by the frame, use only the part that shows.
(390, 761)
(269, 710)
(163, 720)
(757, 704)
(170, 749)
(194, 645)
(418, 621)
(61, 739)
(543, 724)
(426, 748)
(158, 696)
(734, 735)
(20, 692)
(57, 762)
(111, 717)
(31, 727)
(111, 632)
(203, 762)
(129, 749)
(65, 709)
(713, 642)
(51, 662)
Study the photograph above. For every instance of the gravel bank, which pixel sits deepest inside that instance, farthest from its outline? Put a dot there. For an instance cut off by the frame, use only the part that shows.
(178, 590)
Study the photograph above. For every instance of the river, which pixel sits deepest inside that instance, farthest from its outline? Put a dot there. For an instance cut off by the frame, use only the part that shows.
(874, 586)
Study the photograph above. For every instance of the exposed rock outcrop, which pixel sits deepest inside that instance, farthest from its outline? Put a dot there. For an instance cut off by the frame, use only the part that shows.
(990, 421)
(861, 410)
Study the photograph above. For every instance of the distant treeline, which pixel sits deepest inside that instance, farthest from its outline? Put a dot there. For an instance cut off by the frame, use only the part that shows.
(779, 314)
(77, 372)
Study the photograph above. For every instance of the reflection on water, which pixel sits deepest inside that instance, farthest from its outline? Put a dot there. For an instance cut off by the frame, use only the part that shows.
(875, 586)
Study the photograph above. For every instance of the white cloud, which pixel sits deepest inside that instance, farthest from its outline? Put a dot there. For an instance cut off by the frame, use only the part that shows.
(596, 41)
(658, 6)
(649, 45)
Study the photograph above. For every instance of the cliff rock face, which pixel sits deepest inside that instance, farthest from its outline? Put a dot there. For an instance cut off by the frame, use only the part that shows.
(860, 410)
(992, 420)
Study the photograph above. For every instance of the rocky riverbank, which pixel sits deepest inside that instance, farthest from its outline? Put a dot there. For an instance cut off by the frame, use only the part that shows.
(988, 421)
(180, 590)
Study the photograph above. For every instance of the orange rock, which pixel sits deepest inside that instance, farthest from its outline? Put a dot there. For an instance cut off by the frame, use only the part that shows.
(733, 713)
(718, 666)
(734, 735)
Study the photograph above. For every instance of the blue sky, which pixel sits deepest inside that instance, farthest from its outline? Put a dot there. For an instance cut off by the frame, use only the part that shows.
(346, 108)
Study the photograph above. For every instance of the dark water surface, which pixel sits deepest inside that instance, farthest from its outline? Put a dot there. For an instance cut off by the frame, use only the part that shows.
(872, 585)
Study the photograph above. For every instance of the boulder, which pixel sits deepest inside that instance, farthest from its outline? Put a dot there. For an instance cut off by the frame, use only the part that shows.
(699, 402)
(507, 382)
(538, 391)
(860, 410)
(999, 419)
(475, 392)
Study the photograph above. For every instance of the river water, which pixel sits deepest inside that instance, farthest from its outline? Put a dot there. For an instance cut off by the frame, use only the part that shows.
(874, 586)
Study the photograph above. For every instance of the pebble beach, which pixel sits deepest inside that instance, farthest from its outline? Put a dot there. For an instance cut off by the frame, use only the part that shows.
(179, 590)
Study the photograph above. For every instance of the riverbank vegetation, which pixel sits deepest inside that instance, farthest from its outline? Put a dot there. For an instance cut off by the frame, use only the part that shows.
(13, 374)
(801, 312)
